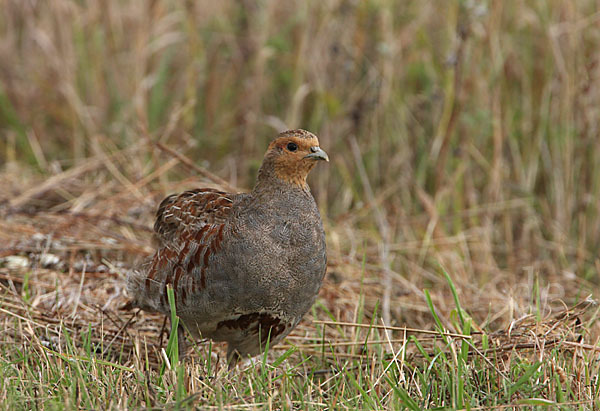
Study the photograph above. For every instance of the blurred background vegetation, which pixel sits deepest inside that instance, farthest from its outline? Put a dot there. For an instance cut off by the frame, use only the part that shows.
(461, 133)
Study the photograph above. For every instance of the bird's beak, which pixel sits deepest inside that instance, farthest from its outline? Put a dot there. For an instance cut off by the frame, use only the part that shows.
(317, 154)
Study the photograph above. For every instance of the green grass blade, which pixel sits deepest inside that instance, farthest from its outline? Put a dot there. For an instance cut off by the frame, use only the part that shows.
(532, 369)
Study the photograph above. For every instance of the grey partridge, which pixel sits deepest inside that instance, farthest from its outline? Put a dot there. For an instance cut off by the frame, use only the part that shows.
(244, 267)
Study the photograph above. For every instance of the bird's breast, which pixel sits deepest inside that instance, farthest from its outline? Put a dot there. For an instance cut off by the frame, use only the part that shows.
(276, 256)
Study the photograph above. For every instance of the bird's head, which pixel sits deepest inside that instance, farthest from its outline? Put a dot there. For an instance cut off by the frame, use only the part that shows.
(291, 156)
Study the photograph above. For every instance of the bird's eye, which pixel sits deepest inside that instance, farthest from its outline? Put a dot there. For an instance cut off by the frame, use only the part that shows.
(292, 146)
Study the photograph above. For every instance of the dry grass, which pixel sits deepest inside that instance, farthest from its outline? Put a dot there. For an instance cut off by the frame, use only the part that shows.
(463, 195)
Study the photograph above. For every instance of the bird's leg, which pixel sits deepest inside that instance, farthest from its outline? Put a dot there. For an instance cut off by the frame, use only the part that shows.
(182, 344)
(233, 356)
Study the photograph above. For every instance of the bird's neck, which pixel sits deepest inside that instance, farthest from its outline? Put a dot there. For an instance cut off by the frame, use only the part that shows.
(271, 178)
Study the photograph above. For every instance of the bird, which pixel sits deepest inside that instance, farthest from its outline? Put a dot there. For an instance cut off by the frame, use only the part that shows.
(244, 267)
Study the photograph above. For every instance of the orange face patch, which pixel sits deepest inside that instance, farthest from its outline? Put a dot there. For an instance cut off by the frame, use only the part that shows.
(289, 152)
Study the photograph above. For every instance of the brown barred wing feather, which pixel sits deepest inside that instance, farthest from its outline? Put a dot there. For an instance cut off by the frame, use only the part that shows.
(189, 228)
(190, 211)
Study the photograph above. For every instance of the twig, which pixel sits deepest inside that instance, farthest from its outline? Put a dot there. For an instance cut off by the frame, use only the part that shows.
(78, 298)
(200, 170)
(582, 346)
(386, 327)
(54, 181)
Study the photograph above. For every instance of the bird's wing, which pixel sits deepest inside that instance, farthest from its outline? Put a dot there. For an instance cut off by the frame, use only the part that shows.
(189, 228)
(190, 211)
